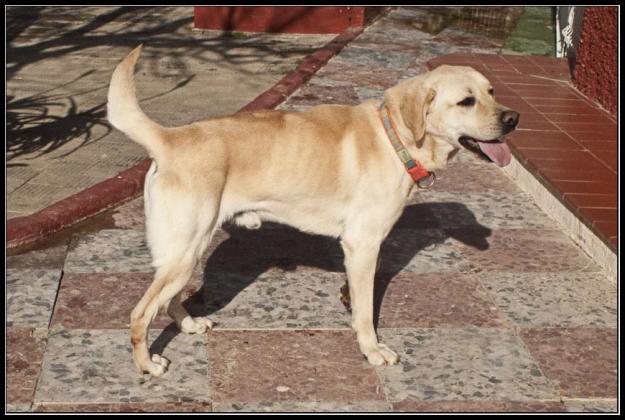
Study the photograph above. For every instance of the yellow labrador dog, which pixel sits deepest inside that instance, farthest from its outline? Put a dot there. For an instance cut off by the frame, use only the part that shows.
(332, 170)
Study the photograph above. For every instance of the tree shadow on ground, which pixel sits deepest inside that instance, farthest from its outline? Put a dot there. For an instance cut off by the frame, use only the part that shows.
(32, 127)
(45, 121)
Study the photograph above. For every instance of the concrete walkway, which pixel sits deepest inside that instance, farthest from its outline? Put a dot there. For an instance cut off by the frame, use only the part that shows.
(59, 64)
(490, 306)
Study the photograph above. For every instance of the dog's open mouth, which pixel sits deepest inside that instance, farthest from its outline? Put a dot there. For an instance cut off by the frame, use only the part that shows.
(493, 150)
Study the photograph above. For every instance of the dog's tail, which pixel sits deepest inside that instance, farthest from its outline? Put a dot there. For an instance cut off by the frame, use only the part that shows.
(124, 111)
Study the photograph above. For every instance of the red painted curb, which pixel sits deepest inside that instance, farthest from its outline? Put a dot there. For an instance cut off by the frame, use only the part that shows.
(77, 207)
(129, 184)
(281, 19)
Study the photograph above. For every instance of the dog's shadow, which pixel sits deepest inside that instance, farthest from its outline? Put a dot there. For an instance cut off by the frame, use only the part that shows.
(247, 254)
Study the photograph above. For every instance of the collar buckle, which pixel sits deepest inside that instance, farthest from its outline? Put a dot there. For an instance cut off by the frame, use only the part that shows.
(427, 182)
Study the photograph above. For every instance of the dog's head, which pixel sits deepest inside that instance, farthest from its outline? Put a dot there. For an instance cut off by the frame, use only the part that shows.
(449, 107)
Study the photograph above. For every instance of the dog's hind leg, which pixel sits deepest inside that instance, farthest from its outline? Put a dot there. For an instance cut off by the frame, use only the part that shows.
(177, 227)
(168, 277)
(186, 323)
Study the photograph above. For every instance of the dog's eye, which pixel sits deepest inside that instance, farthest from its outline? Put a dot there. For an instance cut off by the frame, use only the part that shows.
(470, 101)
(491, 91)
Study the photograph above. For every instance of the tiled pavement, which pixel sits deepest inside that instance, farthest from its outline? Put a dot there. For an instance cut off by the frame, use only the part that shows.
(488, 303)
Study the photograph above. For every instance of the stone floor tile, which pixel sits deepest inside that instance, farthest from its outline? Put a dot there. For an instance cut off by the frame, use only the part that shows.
(48, 257)
(360, 75)
(324, 81)
(84, 297)
(25, 348)
(479, 406)
(279, 366)
(95, 367)
(18, 407)
(305, 407)
(420, 251)
(156, 407)
(392, 60)
(381, 41)
(462, 364)
(553, 299)
(286, 106)
(466, 176)
(109, 251)
(525, 250)
(591, 405)
(427, 300)
(130, 215)
(365, 93)
(314, 94)
(275, 300)
(493, 209)
(582, 360)
(30, 296)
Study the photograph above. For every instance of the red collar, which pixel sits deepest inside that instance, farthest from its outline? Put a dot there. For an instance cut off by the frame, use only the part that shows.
(421, 176)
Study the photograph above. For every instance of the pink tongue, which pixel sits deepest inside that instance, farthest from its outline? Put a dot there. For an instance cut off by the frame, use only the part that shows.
(497, 152)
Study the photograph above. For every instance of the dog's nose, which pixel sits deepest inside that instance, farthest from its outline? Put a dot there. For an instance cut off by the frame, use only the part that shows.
(509, 120)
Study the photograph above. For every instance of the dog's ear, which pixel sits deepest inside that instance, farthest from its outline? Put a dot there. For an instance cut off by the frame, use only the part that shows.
(408, 103)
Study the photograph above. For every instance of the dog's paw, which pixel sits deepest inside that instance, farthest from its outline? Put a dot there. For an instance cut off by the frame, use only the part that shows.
(157, 367)
(381, 355)
(196, 325)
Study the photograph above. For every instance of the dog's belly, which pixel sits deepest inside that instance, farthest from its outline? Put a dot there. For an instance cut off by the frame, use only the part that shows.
(308, 217)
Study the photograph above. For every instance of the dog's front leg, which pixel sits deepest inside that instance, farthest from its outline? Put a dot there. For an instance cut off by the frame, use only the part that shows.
(360, 262)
